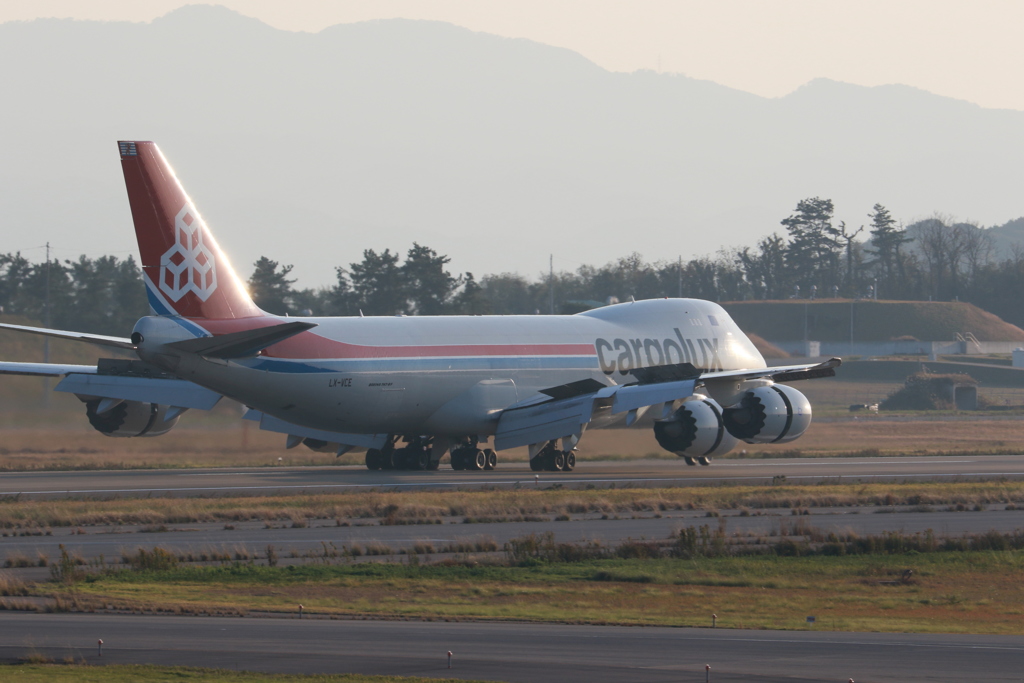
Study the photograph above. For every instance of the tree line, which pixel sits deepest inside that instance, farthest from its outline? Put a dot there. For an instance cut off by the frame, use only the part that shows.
(812, 256)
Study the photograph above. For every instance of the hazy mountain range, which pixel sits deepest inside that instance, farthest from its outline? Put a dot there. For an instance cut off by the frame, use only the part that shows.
(311, 147)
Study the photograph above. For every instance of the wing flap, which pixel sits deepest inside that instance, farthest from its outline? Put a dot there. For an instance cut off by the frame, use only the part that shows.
(270, 423)
(544, 422)
(171, 392)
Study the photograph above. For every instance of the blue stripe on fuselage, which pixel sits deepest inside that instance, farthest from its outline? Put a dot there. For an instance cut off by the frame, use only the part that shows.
(424, 364)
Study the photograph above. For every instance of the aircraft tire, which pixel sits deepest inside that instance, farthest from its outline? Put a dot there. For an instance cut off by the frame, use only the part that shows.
(387, 459)
(537, 463)
(422, 460)
(458, 461)
(491, 458)
(373, 459)
(556, 461)
(433, 465)
(570, 461)
(478, 461)
(690, 461)
(704, 460)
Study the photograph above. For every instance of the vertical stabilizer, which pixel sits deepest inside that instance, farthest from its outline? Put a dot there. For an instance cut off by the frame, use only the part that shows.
(185, 271)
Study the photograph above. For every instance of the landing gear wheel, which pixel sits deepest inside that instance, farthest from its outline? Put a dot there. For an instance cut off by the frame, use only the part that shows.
(537, 464)
(704, 460)
(373, 459)
(387, 459)
(458, 463)
(479, 461)
(690, 461)
(491, 459)
(400, 459)
(422, 461)
(433, 465)
(570, 461)
(556, 461)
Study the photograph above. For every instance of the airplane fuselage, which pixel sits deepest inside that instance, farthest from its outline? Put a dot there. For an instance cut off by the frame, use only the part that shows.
(452, 375)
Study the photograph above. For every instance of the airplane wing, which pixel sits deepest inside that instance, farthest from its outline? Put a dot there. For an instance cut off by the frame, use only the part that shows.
(559, 413)
(782, 373)
(101, 339)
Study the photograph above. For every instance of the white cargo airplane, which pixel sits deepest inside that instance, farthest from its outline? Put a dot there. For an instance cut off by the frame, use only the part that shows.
(410, 389)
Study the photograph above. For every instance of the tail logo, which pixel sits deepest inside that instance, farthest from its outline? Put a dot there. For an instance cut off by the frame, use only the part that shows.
(188, 266)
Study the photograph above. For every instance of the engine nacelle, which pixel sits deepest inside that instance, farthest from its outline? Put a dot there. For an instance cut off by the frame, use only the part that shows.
(769, 414)
(130, 418)
(695, 430)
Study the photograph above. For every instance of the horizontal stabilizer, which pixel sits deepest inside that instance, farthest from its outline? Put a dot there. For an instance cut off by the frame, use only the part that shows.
(241, 344)
(44, 369)
(101, 339)
(170, 392)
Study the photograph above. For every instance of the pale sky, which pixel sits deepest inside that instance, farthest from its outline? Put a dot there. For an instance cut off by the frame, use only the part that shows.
(967, 50)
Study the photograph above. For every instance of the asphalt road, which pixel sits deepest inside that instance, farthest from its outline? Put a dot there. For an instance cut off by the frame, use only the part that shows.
(268, 480)
(513, 652)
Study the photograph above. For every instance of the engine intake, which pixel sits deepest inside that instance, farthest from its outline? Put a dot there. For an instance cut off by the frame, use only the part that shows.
(769, 414)
(695, 430)
(130, 418)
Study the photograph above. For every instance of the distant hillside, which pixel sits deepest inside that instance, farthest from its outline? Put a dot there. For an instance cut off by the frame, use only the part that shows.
(1007, 237)
(829, 320)
(311, 147)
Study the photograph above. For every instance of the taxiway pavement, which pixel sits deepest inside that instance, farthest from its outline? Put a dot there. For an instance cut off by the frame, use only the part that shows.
(535, 653)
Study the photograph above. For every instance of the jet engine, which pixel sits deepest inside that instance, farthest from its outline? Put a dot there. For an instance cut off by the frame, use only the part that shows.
(769, 414)
(130, 418)
(695, 430)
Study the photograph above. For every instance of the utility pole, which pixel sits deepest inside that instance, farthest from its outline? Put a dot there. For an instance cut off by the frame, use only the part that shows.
(551, 283)
(46, 340)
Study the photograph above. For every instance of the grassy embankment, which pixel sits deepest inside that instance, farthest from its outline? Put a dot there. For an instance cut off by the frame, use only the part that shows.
(512, 504)
(829, 320)
(118, 673)
(958, 592)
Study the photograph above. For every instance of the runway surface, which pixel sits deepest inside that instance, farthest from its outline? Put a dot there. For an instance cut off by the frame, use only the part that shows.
(513, 652)
(269, 480)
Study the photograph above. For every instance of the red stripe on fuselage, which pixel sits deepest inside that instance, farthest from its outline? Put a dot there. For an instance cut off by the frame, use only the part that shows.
(309, 345)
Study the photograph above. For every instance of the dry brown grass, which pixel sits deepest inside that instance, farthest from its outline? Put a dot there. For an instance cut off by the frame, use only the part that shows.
(221, 440)
(495, 505)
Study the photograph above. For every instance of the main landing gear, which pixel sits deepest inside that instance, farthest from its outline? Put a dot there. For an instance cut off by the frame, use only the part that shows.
(469, 457)
(691, 461)
(553, 459)
(415, 456)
